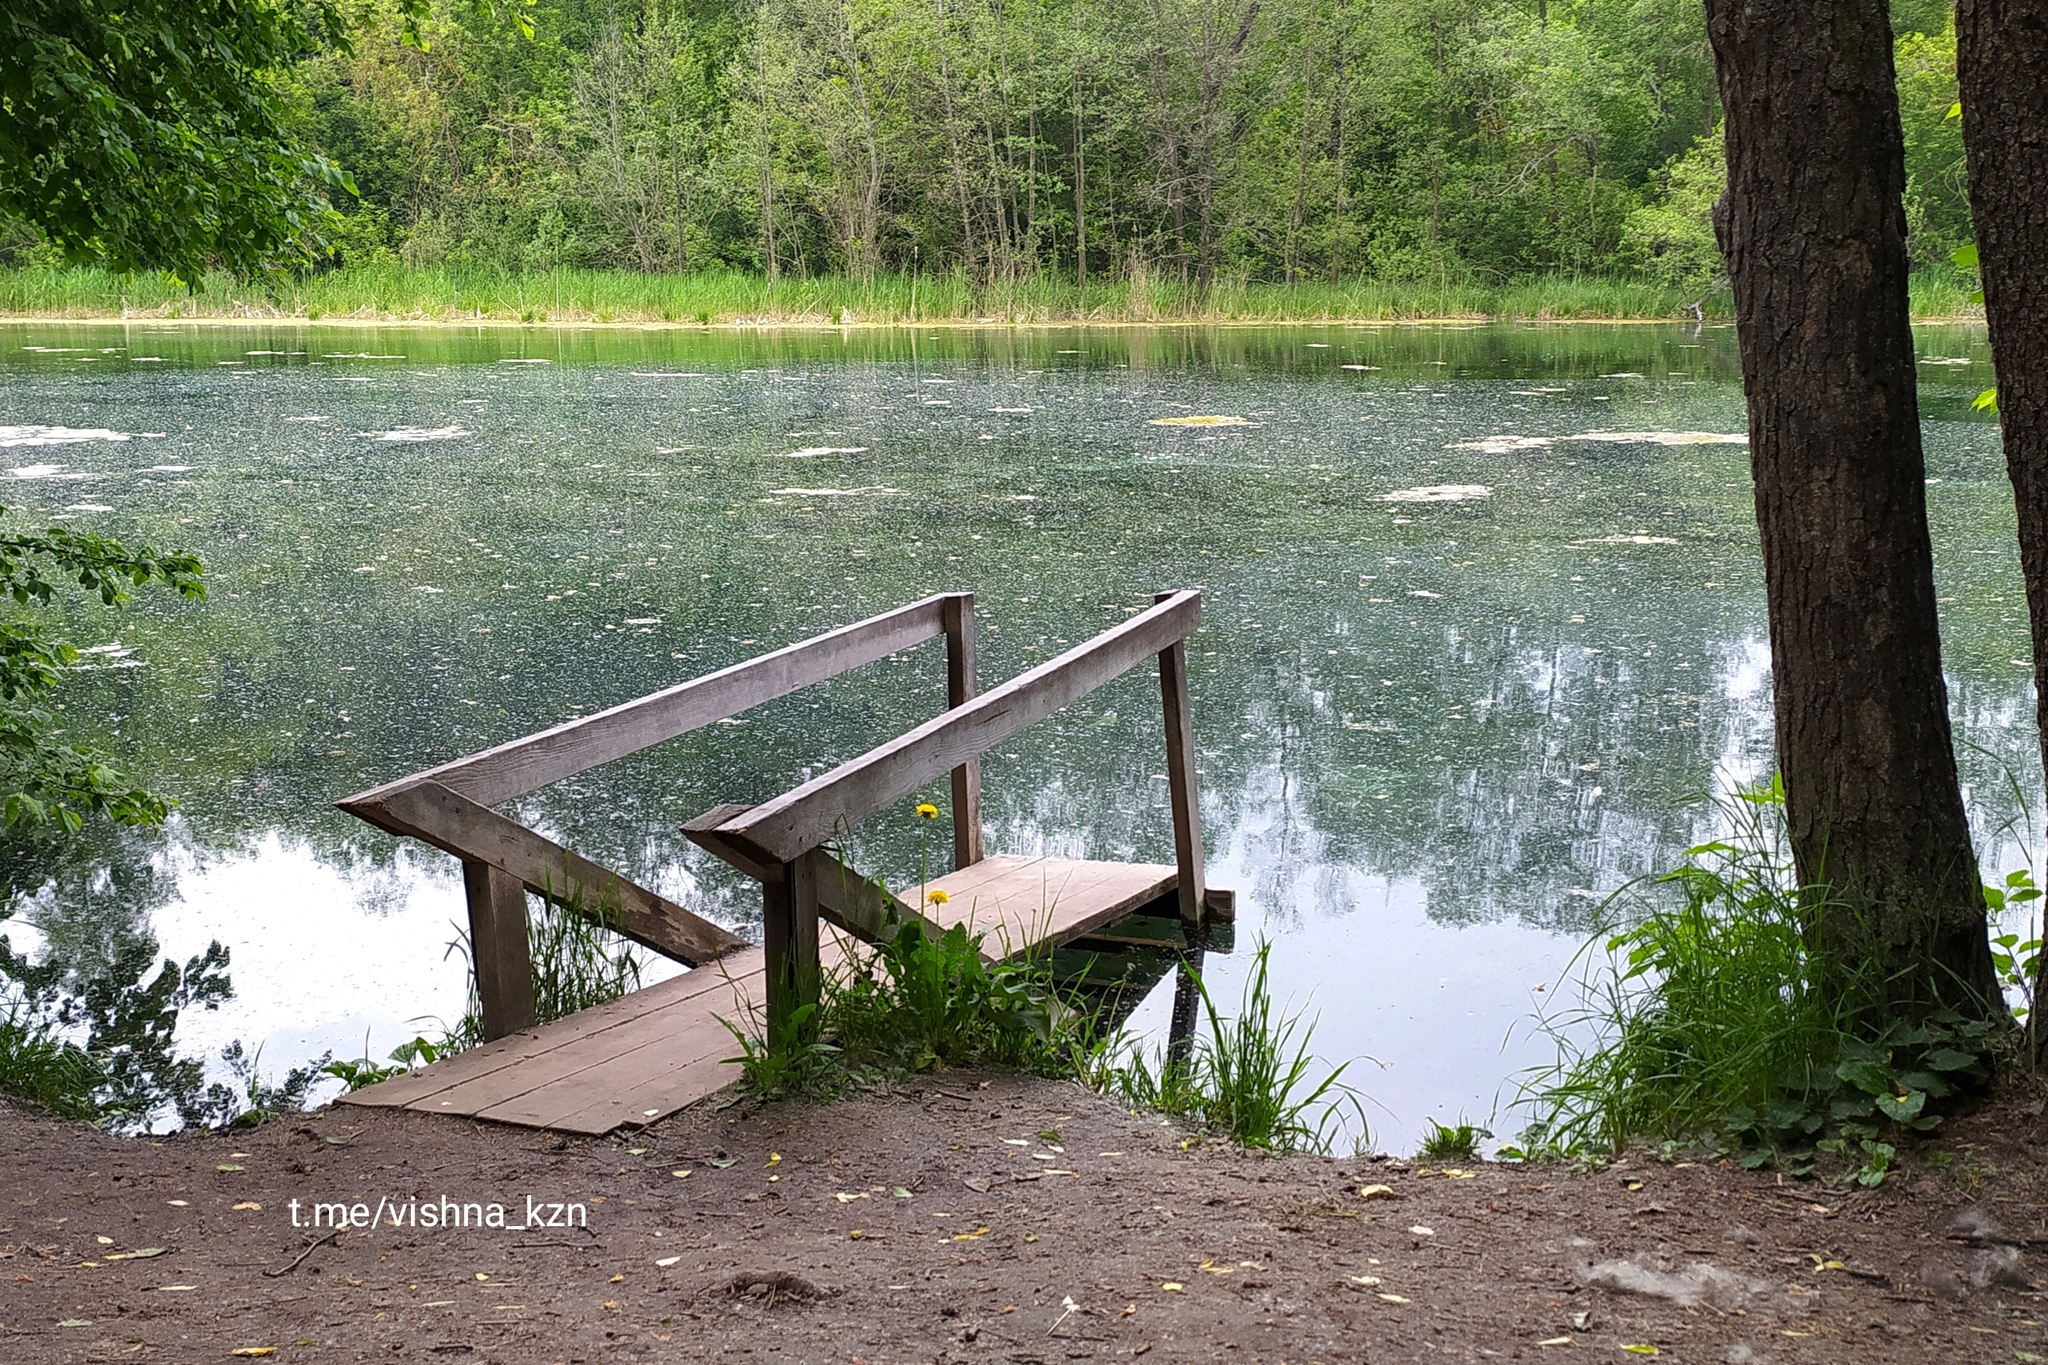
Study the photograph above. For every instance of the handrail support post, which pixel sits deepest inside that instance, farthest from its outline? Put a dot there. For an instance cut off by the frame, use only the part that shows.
(1181, 782)
(789, 934)
(962, 686)
(498, 948)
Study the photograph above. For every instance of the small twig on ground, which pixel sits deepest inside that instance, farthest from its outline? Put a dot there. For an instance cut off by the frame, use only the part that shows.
(299, 1260)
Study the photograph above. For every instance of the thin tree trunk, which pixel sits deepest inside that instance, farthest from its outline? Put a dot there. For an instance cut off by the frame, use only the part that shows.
(1813, 226)
(2002, 66)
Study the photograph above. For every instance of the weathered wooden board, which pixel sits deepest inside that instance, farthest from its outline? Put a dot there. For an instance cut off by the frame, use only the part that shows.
(801, 819)
(524, 765)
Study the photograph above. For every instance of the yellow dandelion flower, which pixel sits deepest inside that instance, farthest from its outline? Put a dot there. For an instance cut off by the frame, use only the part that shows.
(927, 811)
(937, 897)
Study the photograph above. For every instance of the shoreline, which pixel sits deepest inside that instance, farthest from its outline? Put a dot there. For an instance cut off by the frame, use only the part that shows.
(915, 1221)
(805, 323)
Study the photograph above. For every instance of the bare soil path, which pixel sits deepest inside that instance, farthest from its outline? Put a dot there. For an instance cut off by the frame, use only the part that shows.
(996, 1219)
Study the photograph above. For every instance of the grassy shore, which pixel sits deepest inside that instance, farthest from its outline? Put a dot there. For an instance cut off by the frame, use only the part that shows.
(447, 294)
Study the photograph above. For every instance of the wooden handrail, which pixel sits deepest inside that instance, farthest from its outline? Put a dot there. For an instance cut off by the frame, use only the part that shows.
(781, 830)
(523, 765)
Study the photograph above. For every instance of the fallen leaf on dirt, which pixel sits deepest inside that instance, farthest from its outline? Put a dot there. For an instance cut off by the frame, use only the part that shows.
(900, 1192)
(1640, 1348)
(970, 1236)
(855, 1235)
(1030, 1236)
(978, 1185)
(667, 1261)
(230, 1166)
(1172, 1286)
(1366, 1280)
(1393, 1298)
(616, 1279)
(636, 1151)
(609, 1303)
(721, 1162)
(1421, 1231)
(1377, 1192)
(1016, 1142)
(104, 1241)
(75, 1322)
(680, 1175)
(1129, 1309)
(248, 1206)
(1555, 1341)
(846, 1198)
(775, 1158)
(139, 1254)
(1211, 1268)
(1050, 1135)
(1453, 1173)
(176, 1288)
(481, 1276)
(177, 1203)
(253, 1351)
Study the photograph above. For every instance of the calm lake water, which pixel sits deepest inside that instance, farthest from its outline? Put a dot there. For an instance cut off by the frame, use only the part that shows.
(1471, 660)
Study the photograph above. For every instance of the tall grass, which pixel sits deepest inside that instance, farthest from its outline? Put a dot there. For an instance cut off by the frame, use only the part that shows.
(578, 962)
(1249, 1078)
(913, 1003)
(725, 297)
(1718, 1017)
(38, 1066)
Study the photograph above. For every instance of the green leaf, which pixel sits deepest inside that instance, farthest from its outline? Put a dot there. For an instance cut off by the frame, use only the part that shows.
(1965, 257)
(1903, 1108)
(1948, 1059)
(1954, 111)
(1986, 401)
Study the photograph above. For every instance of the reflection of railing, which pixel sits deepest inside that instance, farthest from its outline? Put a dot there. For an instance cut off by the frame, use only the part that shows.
(780, 842)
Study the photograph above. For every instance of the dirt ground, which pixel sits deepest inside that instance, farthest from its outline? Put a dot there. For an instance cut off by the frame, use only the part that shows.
(992, 1218)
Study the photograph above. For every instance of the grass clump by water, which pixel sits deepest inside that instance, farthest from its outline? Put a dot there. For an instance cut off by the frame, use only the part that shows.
(579, 960)
(41, 1068)
(1248, 1079)
(1716, 1021)
(916, 1002)
(1453, 1142)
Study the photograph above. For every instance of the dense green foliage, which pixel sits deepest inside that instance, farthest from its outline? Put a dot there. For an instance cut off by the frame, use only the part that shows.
(1721, 1020)
(45, 779)
(158, 133)
(1173, 144)
(1175, 140)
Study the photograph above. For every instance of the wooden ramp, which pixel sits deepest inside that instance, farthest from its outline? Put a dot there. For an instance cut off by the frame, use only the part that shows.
(650, 1053)
(658, 1049)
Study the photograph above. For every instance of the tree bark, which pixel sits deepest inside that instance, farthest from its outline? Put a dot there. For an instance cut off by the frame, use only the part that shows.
(1814, 228)
(2002, 67)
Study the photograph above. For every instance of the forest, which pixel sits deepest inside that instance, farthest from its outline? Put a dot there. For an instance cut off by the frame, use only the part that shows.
(1170, 144)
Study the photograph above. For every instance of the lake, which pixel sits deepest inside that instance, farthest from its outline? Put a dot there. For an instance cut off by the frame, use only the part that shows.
(1483, 633)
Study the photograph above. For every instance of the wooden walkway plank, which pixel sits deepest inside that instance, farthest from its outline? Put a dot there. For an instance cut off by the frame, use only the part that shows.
(526, 1046)
(649, 1053)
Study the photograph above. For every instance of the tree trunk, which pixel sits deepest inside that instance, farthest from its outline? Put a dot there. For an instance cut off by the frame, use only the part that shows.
(2002, 66)
(1814, 228)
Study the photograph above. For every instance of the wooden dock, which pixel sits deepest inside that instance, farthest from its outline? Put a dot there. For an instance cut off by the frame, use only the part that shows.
(657, 1049)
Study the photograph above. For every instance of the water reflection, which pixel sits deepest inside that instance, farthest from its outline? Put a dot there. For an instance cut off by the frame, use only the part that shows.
(1432, 731)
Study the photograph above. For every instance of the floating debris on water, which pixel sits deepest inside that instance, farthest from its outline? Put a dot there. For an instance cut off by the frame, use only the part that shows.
(1504, 445)
(1663, 438)
(58, 436)
(416, 434)
(833, 492)
(1200, 422)
(1439, 492)
(809, 451)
